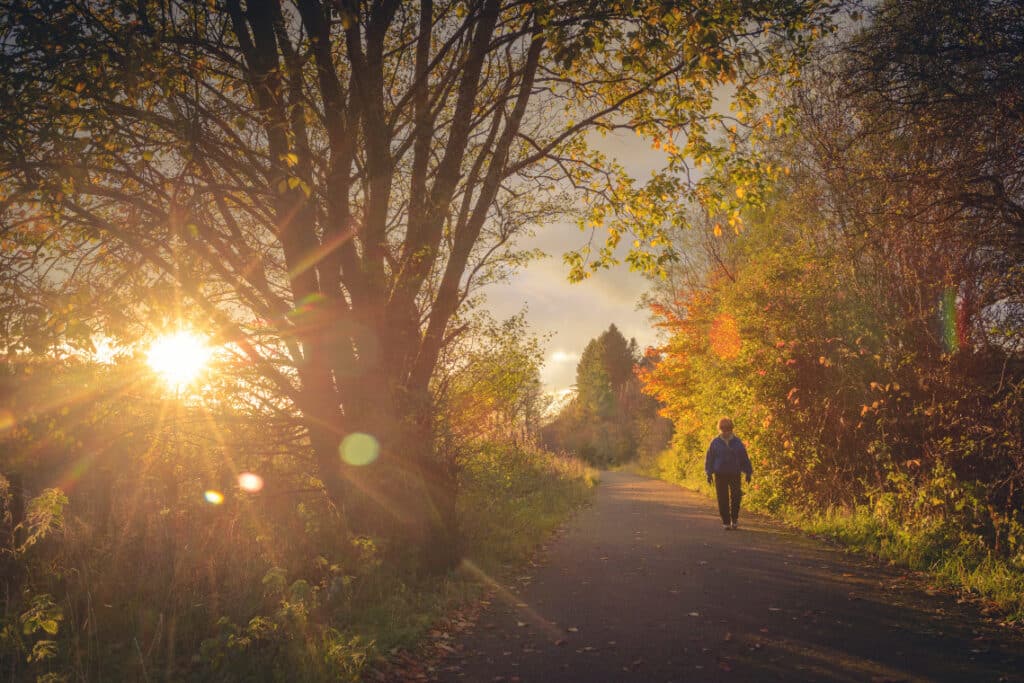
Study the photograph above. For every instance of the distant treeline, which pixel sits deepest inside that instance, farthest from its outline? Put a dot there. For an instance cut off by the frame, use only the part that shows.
(609, 420)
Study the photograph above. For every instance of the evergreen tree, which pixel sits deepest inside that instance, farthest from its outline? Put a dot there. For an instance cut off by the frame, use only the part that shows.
(594, 388)
(618, 357)
(609, 417)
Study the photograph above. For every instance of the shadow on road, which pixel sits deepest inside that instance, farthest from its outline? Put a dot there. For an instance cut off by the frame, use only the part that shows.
(646, 586)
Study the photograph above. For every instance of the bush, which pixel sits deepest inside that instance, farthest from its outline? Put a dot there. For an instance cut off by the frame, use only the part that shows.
(125, 570)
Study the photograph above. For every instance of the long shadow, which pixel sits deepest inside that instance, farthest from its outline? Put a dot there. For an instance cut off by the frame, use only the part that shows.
(646, 586)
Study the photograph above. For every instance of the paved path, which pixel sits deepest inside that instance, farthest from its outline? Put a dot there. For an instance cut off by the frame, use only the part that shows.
(645, 585)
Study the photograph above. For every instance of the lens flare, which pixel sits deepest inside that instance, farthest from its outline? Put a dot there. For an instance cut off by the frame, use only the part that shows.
(253, 483)
(178, 358)
(308, 305)
(6, 420)
(359, 449)
(213, 497)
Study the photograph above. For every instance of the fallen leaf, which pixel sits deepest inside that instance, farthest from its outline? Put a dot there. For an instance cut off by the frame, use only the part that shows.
(694, 614)
(572, 629)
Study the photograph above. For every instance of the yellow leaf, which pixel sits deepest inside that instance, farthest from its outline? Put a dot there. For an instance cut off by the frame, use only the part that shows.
(718, 230)
(740, 192)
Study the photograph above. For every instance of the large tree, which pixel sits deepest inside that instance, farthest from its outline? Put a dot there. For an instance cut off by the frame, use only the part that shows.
(324, 184)
(605, 366)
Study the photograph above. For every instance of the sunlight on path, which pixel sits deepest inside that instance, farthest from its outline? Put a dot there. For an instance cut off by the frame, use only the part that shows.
(645, 586)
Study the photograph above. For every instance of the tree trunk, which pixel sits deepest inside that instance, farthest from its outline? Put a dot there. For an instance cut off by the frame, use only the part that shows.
(406, 496)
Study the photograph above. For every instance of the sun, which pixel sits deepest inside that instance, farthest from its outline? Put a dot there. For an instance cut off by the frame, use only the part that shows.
(178, 357)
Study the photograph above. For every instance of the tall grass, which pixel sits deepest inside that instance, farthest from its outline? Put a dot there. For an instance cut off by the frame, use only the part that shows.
(134, 576)
(512, 496)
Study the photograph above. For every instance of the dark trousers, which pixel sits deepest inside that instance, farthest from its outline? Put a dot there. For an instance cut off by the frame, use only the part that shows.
(727, 486)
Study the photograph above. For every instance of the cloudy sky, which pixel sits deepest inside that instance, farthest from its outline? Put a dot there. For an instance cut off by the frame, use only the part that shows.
(573, 314)
(576, 313)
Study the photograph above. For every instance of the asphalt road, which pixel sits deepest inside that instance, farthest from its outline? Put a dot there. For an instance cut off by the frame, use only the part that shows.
(645, 585)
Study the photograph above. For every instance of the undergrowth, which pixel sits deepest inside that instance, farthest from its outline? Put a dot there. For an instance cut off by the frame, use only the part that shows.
(260, 590)
(511, 497)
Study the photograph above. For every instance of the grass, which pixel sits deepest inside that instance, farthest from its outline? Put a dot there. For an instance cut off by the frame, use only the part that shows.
(948, 556)
(952, 558)
(252, 592)
(511, 498)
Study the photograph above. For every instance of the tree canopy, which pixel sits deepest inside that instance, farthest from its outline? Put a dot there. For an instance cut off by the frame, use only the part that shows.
(326, 185)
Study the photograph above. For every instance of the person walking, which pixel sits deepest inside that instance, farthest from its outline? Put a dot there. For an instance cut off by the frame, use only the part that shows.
(726, 460)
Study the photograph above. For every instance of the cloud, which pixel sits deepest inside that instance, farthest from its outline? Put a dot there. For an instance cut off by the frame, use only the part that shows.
(573, 314)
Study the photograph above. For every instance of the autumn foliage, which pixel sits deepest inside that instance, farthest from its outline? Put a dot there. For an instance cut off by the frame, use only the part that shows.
(863, 328)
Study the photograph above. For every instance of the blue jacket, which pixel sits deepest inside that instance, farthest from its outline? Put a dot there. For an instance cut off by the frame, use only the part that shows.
(727, 458)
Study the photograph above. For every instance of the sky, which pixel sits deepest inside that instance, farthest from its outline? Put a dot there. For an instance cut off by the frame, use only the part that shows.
(576, 313)
(572, 313)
